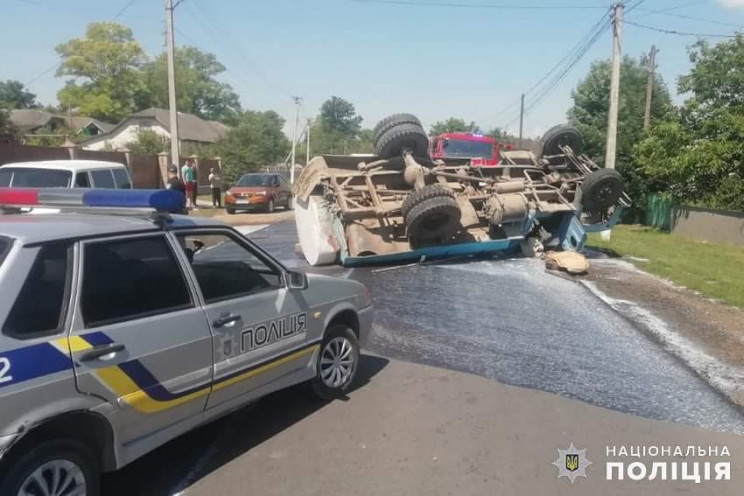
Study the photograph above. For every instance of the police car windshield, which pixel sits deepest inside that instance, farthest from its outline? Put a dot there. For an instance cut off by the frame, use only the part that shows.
(5, 244)
(255, 180)
(18, 177)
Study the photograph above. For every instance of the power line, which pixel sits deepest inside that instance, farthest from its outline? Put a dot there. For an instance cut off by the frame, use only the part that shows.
(482, 6)
(662, 11)
(680, 33)
(634, 6)
(123, 9)
(700, 19)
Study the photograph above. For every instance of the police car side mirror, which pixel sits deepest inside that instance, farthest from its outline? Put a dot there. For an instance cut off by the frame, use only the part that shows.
(296, 280)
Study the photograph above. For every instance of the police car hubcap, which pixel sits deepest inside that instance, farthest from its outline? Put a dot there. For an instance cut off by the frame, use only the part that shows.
(55, 478)
(337, 362)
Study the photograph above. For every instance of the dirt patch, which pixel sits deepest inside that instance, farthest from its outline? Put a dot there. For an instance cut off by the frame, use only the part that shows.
(716, 329)
(245, 218)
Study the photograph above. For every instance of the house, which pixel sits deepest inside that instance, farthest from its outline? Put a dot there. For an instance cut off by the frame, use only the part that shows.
(192, 130)
(37, 121)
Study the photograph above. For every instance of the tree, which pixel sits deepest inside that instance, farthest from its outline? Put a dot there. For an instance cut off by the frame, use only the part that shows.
(104, 65)
(503, 136)
(590, 112)
(8, 131)
(148, 142)
(197, 91)
(14, 96)
(339, 117)
(451, 125)
(256, 141)
(698, 158)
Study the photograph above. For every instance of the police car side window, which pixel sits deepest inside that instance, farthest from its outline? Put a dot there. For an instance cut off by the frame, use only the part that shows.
(129, 279)
(226, 269)
(39, 307)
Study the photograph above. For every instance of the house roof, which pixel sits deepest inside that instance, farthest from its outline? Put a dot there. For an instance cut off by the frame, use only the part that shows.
(30, 119)
(190, 127)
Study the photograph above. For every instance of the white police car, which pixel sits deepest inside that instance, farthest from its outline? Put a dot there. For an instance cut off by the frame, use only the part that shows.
(121, 332)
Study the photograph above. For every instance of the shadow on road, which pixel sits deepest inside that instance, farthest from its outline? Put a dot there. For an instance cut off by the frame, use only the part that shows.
(183, 461)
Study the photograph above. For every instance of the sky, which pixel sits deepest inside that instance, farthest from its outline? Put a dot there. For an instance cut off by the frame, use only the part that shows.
(437, 59)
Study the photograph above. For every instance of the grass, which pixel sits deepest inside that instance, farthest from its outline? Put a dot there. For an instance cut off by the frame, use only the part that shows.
(714, 270)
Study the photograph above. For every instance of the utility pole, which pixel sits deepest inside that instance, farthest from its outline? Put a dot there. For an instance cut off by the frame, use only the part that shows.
(170, 41)
(617, 21)
(298, 102)
(650, 87)
(617, 35)
(521, 121)
(307, 148)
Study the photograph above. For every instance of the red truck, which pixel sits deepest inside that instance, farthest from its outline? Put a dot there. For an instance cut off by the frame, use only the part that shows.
(477, 149)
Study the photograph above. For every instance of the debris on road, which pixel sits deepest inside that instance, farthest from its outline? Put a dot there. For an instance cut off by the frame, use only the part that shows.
(400, 204)
(568, 261)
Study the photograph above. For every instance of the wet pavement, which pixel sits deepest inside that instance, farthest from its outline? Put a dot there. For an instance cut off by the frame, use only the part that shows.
(510, 321)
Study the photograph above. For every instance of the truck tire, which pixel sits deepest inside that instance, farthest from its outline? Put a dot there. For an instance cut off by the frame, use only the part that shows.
(409, 137)
(36, 470)
(562, 135)
(421, 195)
(602, 189)
(392, 121)
(434, 219)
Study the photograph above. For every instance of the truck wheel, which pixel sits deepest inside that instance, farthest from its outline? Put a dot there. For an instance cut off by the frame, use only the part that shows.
(338, 362)
(392, 121)
(421, 195)
(435, 218)
(57, 468)
(602, 189)
(562, 135)
(404, 137)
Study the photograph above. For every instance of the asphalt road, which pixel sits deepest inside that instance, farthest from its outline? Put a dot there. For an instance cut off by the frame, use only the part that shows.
(510, 321)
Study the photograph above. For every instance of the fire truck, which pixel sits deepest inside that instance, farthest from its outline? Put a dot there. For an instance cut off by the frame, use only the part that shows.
(476, 150)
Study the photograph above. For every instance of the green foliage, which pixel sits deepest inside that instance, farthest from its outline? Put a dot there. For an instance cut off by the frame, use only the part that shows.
(338, 117)
(698, 158)
(451, 125)
(148, 142)
(197, 91)
(8, 131)
(590, 114)
(256, 141)
(14, 96)
(502, 136)
(104, 66)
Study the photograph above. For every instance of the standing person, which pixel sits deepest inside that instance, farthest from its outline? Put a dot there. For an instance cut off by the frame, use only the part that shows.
(175, 183)
(215, 182)
(189, 178)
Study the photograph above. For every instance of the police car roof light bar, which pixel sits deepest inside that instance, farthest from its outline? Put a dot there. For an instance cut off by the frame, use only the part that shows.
(158, 200)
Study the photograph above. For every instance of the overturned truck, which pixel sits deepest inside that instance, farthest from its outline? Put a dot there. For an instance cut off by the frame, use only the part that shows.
(403, 206)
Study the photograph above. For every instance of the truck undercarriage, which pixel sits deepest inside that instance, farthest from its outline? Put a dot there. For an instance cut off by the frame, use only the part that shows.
(404, 206)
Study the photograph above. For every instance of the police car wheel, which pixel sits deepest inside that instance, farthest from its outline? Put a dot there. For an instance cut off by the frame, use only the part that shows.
(54, 468)
(338, 362)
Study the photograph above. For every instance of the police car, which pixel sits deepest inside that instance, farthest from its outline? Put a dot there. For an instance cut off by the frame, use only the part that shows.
(122, 331)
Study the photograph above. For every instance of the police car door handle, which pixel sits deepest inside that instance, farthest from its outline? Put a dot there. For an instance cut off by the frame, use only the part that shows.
(101, 351)
(226, 320)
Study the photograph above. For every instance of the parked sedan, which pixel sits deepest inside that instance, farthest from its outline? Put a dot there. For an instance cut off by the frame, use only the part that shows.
(264, 191)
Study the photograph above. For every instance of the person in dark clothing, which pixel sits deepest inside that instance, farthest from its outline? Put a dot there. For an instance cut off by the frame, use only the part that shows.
(174, 182)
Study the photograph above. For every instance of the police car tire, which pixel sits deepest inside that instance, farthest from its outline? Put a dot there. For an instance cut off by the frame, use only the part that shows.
(319, 388)
(59, 449)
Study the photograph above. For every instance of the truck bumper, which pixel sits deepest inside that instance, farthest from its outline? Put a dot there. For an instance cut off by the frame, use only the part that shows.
(365, 316)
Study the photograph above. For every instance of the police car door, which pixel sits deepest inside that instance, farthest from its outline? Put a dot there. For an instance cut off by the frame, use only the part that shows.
(259, 326)
(139, 337)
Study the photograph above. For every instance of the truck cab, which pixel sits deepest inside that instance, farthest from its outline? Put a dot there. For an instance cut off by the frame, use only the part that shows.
(476, 149)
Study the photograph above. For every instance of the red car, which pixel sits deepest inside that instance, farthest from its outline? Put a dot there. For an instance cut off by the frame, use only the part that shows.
(264, 191)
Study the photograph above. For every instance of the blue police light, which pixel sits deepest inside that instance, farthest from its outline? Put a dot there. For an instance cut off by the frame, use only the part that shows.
(163, 200)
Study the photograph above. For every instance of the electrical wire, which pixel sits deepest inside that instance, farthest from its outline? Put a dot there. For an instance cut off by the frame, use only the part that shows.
(123, 10)
(680, 33)
(631, 8)
(699, 19)
(481, 6)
